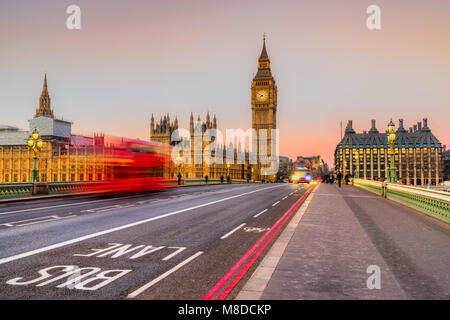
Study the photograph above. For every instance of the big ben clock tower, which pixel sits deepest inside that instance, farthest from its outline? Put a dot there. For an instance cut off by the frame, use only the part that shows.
(264, 110)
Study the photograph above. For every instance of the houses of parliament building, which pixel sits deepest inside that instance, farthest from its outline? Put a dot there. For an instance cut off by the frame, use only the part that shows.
(63, 157)
(68, 157)
(263, 107)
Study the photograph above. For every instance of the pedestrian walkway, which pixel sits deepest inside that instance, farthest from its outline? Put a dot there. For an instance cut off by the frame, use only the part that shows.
(343, 232)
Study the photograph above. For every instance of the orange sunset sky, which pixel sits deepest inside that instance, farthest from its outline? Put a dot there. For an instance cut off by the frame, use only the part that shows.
(134, 58)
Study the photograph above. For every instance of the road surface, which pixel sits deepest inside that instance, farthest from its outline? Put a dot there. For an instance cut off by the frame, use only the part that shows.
(173, 244)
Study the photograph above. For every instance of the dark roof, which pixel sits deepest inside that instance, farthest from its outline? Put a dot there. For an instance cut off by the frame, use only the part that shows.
(419, 138)
(264, 55)
(263, 73)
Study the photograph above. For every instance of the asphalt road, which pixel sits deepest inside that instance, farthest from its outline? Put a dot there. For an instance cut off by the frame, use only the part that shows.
(173, 244)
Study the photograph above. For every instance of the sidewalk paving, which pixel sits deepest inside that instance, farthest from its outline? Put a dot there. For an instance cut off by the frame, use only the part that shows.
(325, 251)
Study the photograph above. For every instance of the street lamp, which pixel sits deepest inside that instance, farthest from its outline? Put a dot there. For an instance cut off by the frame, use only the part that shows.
(35, 144)
(392, 172)
(356, 155)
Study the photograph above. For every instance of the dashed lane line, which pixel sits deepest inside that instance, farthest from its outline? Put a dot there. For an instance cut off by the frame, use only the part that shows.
(257, 215)
(145, 287)
(232, 231)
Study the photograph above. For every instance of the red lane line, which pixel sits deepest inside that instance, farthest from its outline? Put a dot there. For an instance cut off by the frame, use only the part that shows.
(238, 278)
(230, 273)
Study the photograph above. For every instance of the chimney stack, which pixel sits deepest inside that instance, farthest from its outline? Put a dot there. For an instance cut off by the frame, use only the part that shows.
(419, 125)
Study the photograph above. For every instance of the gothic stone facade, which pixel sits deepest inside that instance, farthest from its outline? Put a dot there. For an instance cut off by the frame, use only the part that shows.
(264, 109)
(162, 132)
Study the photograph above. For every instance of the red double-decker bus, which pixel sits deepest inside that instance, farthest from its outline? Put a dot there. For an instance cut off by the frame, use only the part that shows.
(134, 166)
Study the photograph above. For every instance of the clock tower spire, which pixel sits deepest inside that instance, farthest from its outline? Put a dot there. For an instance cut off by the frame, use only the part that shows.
(264, 108)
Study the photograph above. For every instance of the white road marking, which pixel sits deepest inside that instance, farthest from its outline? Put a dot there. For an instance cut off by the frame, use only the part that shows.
(257, 215)
(232, 231)
(170, 256)
(103, 209)
(291, 193)
(275, 203)
(66, 205)
(126, 226)
(285, 198)
(137, 292)
(35, 220)
(256, 229)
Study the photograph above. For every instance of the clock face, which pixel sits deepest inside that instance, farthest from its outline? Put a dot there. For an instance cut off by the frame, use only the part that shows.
(262, 95)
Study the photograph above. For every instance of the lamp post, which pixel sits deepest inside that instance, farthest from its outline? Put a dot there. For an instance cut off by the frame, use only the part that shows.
(392, 171)
(356, 155)
(35, 144)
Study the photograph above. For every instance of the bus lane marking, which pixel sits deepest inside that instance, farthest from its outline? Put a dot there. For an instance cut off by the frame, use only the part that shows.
(76, 276)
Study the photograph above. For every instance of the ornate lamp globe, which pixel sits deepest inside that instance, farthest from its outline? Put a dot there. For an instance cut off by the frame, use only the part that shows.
(391, 127)
(35, 135)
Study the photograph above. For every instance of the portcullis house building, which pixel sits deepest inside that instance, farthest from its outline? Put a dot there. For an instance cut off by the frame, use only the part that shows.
(417, 154)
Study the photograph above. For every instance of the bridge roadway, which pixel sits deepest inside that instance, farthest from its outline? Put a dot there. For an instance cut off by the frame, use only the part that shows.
(172, 244)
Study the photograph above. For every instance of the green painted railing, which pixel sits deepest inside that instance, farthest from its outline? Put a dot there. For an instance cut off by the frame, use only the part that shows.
(70, 187)
(372, 186)
(431, 202)
(15, 189)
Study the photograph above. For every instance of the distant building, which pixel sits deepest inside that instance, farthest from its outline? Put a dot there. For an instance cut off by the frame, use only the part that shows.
(446, 169)
(418, 154)
(315, 164)
(285, 167)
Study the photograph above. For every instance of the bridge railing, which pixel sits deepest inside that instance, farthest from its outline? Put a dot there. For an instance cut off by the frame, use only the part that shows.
(431, 202)
(26, 189)
(15, 189)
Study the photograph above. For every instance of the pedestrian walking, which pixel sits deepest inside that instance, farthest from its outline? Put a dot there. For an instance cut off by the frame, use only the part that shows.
(339, 178)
